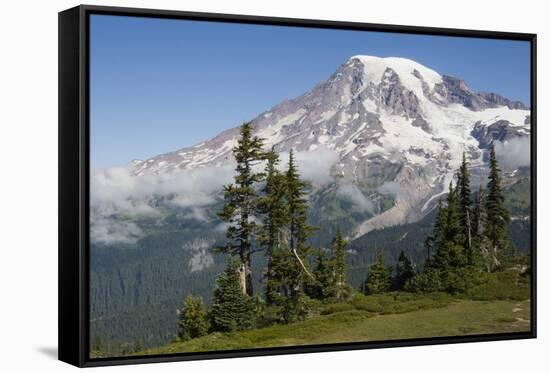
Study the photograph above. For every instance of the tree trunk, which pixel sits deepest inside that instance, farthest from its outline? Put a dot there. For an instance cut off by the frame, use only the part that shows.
(245, 249)
(496, 262)
(302, 264)
(291, 236)
(487, 258)
(469, 227)
(248, 273)
(242, 278)
(268, 277)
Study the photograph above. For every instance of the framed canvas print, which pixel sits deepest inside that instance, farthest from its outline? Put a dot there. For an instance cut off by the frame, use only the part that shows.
(237, 186)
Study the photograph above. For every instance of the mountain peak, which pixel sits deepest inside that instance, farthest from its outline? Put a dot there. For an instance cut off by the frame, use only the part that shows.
(411, 73)
(387, 61)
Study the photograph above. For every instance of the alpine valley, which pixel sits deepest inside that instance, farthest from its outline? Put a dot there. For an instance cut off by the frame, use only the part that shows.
(379, 142)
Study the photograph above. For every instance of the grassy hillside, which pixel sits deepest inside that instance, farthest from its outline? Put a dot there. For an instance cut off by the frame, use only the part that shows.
(500, 305)
(461, 317)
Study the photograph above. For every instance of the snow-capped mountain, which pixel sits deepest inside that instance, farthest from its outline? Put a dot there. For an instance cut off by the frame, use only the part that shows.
(395, 125)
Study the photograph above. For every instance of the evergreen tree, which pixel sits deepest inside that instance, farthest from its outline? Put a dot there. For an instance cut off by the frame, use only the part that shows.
(479, 248)
(272, 206)
(434, 240)
(478, 214)
(286, 232)
(338, 264)
(379, 277)
(299, 230)
(193, 322)
(290, 272)
(442, 269)
(322, 272)
(288, 287)
(498, 216)
(453, 231)
(283, 275)
(465, 213)
(454, 240)
(296, 308)
(449, 250)
(241, 201)
(259, 308)
(330, 272)
(404, 271)
(231, 308)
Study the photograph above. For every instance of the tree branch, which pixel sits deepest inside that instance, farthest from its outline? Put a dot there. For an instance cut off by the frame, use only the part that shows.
(302, 265)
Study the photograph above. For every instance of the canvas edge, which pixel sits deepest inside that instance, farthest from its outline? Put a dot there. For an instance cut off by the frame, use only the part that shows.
(70, 263)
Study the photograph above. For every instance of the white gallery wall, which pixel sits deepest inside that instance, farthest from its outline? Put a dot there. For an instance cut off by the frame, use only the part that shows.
(28, 186)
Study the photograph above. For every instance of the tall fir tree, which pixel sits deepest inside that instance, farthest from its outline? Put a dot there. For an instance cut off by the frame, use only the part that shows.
(379, 277)
(299, 230)
(338, 264)
(272, 205)
(453, 231)
(498, 216)
(193, 321)
(323, 273)
(478, 213)
(449, 251)
(231, 309)
(291, 276)
(479, 241)
(241, 201)
(283, 276)
(454, 242)
(434, 240)
(404, 271)
(330, 272)
(465, 207)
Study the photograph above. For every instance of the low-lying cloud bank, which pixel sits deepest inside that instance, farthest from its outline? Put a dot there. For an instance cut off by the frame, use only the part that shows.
(514, 153)
(117, 191)
(353, 194)
(109, 231)
(314, 166)
(391, 187)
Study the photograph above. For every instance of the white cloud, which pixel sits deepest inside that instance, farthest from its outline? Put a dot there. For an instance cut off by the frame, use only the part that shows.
(222, 227)
(391, 187)
(109, 231)
(514, 153)
(116, 190)
(197, 213)
(313, 166)
(352, 193)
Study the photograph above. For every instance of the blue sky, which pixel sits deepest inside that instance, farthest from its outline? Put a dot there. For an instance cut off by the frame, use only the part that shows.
(157, 85)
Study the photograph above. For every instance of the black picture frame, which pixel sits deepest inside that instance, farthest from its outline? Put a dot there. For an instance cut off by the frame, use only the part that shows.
(74, 193)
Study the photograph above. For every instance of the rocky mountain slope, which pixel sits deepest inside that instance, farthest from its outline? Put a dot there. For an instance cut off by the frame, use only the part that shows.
(393, 126)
